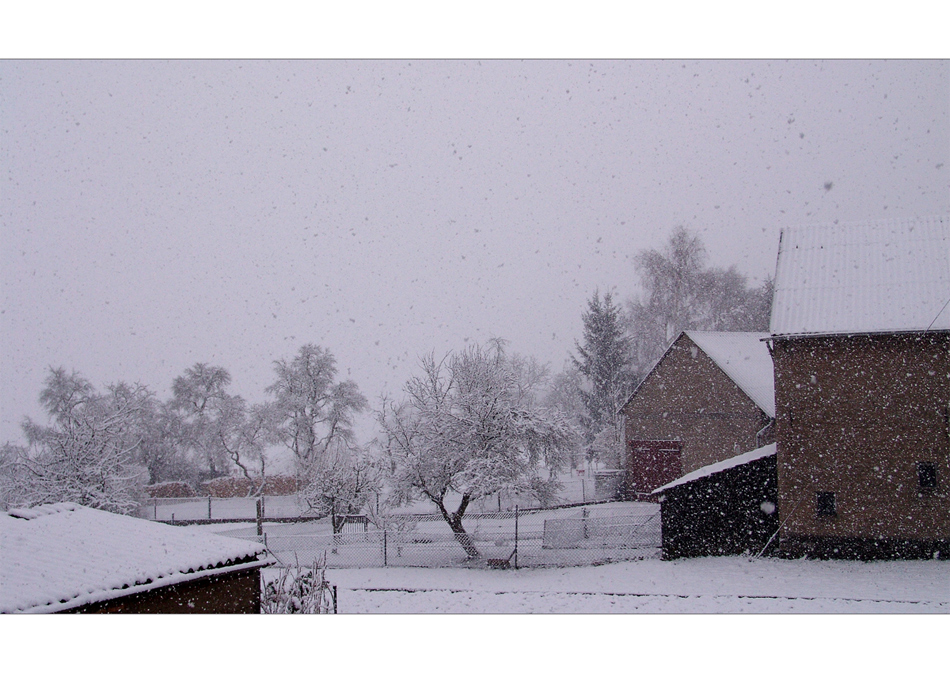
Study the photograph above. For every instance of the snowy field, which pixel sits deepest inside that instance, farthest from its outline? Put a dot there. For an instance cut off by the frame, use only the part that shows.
(707, 585)
(378, 630)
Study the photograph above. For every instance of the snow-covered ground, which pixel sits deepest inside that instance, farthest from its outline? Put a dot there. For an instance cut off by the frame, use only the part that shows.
(591, 642)
(706, 585)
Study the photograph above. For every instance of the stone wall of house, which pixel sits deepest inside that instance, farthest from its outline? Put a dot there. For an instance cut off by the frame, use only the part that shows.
(688, 399)
(856, 417)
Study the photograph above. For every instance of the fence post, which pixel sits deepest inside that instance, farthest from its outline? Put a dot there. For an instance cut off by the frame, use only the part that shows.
(260, 518)
(209, 507)
(385, 559)
(263, 511)
(333, 549)
(584, 517)
(155, 506)
(516, 537)
(583, 489)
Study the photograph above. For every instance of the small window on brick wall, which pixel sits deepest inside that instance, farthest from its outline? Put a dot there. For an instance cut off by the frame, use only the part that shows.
(926, 476)
(825, 504)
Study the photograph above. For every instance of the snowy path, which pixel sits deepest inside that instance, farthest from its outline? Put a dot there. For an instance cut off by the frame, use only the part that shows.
(710, 585)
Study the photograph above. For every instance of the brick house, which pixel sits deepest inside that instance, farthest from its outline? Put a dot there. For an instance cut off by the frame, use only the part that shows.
(70, 558)
(709, 398)
(860, 343)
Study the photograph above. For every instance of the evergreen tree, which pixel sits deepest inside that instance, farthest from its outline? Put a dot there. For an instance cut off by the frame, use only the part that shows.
(604, 362)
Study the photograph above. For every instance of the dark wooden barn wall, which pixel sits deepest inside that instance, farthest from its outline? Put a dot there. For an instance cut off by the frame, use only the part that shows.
(723, 513)
(236, 592)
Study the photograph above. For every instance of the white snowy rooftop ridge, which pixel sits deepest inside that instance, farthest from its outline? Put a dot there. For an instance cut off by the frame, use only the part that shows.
(61, 556)
(721, 466)
(890, 276)
(744, 357)
(42, 510)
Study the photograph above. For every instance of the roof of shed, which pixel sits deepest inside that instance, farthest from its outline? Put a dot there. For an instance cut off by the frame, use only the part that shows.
(744, 357)
(721, 466)
(57, 557)
(876, 277)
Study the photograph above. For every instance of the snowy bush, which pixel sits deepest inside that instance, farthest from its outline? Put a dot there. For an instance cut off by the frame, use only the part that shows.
(299, 590)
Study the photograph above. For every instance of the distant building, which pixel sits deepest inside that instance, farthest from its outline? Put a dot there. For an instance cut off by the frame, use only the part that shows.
(860, 343)
(70, 558)
(709, 398)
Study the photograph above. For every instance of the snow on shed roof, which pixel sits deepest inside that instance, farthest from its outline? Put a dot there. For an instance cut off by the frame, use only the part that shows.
(58, 557)
(745, 358)
(863, 278)
(721, 466)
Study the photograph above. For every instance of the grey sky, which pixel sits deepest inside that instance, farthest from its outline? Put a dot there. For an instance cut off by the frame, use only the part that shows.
(158, 214)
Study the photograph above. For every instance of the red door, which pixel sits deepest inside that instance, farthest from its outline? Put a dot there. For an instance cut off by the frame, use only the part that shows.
(650, 464)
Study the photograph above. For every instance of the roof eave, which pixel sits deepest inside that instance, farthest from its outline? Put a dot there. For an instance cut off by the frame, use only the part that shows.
(852, 333)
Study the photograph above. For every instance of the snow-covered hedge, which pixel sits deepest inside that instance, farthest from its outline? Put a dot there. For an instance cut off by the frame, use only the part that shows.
(171, 489)
(239, 487)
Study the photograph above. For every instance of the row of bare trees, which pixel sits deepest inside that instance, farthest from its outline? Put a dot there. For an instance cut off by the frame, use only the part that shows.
(470, 424)
(101, 447)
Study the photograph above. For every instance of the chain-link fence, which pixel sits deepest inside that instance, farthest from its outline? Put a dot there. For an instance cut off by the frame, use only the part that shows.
(578, 536)
(222, 509)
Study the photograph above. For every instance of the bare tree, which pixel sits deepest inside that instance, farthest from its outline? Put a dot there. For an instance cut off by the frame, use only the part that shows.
(681, 293)
(341, 482)
(313, 413)
(162, 451)
(671, 280)
(207, 410)
(468, 428)
(245, 437)
(564, 395)
(87, 455)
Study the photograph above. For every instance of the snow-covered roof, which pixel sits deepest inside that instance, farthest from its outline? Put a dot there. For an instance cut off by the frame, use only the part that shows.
(58, 557)
(721, 466)
(863, 278)
(745, 358)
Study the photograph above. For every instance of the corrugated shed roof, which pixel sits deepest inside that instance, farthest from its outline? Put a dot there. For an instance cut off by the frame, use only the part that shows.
(863, 278)
(62, 556)
(745, 358)
(721, 466)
